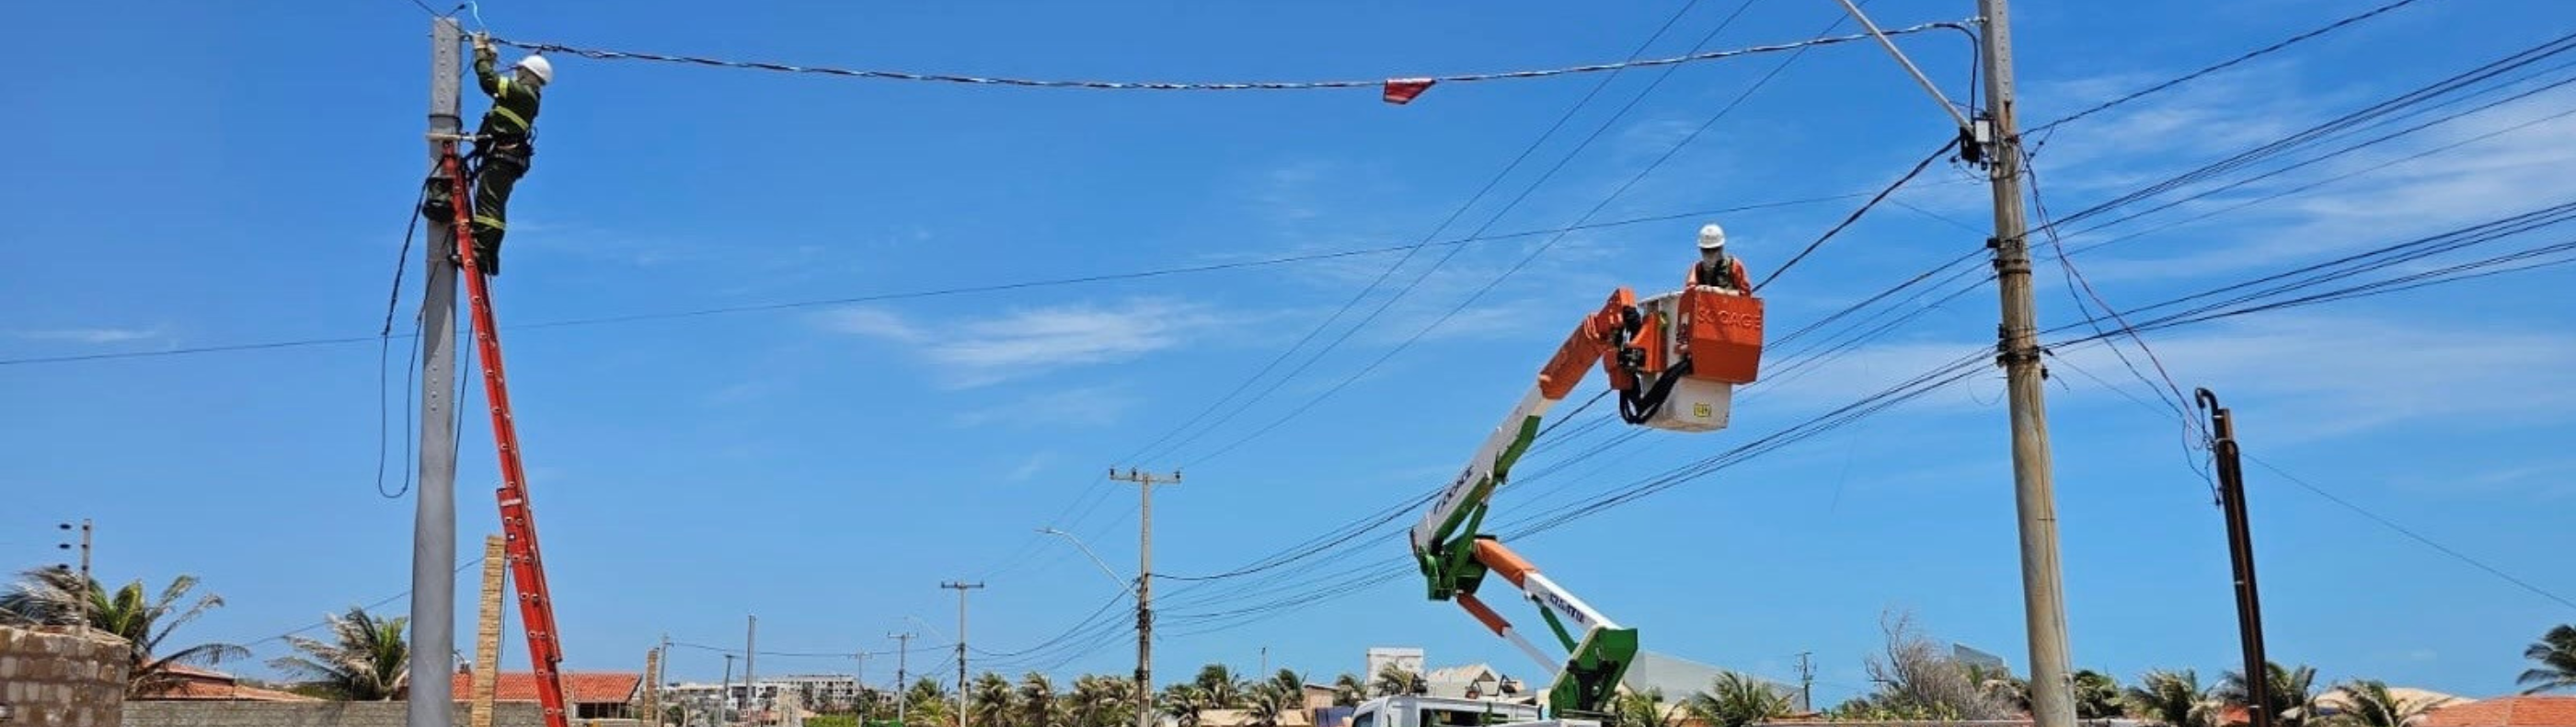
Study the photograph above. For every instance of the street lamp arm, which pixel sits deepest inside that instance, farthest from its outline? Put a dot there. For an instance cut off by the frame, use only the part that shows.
(1127, 583)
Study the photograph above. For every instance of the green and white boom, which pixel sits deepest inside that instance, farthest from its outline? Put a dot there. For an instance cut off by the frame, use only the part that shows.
(1645, 350)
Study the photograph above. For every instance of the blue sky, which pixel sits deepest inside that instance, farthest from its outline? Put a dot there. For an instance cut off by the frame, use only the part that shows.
(199, 174)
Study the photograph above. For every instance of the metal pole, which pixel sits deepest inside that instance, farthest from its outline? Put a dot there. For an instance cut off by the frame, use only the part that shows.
(961, 587)
(1145, 482)
(724, 690)
(2240, 554)
(433, 540)
(2034, 492)
(750, 688)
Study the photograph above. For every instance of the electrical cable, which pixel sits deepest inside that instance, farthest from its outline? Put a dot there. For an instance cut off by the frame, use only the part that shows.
(2222, 65)
(1524, 261)
(1490, 221)
(599, 54)
(913, 294)
(1855, 215)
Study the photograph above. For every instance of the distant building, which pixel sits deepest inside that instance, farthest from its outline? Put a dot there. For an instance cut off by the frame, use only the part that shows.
(1400, 657)
(2527, 711)
(193, 684)
(588, 695)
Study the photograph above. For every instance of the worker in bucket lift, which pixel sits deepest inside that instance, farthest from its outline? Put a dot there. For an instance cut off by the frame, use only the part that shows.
(1716, 268)
(505, 146)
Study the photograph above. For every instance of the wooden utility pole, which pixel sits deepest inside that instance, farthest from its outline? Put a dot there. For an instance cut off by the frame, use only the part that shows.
(2240, 553)
(2052, 701)
(433, 525)
(961, 587)
(1145, 482)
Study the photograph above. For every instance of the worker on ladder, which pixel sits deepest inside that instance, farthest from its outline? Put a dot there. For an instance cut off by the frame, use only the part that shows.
(1715, 268)
(505, 144)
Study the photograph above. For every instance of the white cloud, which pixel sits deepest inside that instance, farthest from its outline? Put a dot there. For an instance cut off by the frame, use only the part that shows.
(90, 335)
(1090, 406)
(1025, 342)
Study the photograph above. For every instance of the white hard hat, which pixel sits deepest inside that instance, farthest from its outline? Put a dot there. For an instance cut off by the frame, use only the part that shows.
(537, 66)
(1712, 237)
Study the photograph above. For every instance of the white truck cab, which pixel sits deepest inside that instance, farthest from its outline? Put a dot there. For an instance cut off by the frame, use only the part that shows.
(1419, 711)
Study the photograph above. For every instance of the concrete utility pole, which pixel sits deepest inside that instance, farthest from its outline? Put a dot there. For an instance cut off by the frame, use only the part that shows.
(1806, 683)
(750, 688)
(433, 525)
(902, 662)
(1145, 482)
(961, 587)
(2052, 702)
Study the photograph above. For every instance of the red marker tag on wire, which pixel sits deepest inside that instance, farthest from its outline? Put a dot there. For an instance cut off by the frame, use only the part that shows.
(1400, 91)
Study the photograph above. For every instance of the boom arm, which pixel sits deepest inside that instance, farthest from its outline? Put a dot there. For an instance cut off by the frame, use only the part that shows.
(1688, 348)
(1455, 559)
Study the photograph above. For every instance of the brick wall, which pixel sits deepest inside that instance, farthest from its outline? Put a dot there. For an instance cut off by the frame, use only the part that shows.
(51, 679)
(320, 714)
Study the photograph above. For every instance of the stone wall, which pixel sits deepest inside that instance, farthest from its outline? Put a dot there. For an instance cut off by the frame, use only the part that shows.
(55, 679)
(321, 714)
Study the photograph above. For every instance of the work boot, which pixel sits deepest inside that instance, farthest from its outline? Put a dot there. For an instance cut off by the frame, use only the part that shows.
(487, 256)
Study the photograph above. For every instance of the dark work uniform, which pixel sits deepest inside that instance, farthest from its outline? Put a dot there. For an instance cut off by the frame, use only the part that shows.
(505, 149)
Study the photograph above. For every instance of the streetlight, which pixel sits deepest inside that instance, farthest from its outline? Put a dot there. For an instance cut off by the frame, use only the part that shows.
(1126, 583)
(1144, 623)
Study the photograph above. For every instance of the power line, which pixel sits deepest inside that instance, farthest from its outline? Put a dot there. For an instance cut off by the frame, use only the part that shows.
(1524, 261)
(1497, 216)
(2392, 525)
(1955, 371)
(2220, 66)
(600, 54)
(378, 603)
(906, 295)
(1855, 215)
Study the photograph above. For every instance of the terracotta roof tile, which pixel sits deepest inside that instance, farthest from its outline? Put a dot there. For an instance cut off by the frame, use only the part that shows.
(2506, 712)
(579, 687)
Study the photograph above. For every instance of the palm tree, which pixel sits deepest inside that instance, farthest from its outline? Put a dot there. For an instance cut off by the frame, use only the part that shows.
(989, 700)
(1735, 700)
(1270, 700)
(927, 702)
(1290, 683)
(2097, 695)
(2554, 656)
(366, 659)
(1221, 687)
(1349, 690)
(2293, 693)
(1644, 709)
(2173, 699)
(1393, 680)
(2369, 703)
(1100, 701)
(1036, 703)
(53, 596)
(1184, 703)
